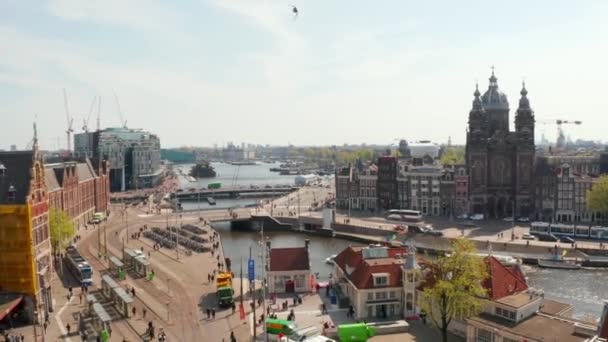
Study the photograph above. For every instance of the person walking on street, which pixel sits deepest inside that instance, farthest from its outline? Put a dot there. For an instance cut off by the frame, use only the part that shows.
(233, 308)
(134, 311)
(208, 313)
(68, 328)
(232, 337)
(144, 313)
(213, 313)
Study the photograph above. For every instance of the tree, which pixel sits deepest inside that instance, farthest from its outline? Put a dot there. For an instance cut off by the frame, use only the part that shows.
(454, 286)
(597, 197)
(62, 229)
(453, 156)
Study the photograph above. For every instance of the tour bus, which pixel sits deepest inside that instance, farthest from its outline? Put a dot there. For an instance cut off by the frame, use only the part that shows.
(404, 215)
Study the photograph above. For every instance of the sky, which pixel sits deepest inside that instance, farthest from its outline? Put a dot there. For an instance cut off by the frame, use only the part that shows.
(199, 73)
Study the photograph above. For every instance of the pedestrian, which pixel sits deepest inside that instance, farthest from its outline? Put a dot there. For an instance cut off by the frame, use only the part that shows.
(68, 328)
(144, 313)
(134, 311)
(44, 325)
(232, 338)
(80, 297)
(234, 308)
(133, 291)
(110, 330)
(213, 313)
(208, 313)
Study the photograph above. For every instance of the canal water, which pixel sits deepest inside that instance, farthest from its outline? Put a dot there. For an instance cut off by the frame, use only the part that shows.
(229, 175)
(584, 289)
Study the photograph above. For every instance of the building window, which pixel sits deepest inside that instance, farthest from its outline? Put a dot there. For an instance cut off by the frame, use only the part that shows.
(510, 315)
(380, 295)
(12, 193)
(370, 296)
(391, 294)
(484, 336)
(409, 302)
(380, 279)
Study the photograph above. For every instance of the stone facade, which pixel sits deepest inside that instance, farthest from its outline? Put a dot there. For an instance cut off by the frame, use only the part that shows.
(500, 162)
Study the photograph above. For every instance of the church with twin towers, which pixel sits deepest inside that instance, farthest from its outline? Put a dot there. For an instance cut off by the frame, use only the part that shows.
(500, 162)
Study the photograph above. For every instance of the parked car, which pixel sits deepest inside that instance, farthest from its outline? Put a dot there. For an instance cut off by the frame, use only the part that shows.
(528, 237)
(95, 221)
(547, 237)
(477, 217)
(566, 239)
(508, 219)
(433, 233)
(523, 219)
(463, 217)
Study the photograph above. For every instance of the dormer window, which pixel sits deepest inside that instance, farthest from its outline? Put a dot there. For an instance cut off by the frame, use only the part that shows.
(380, 279)
(12, 193)
(2, 170)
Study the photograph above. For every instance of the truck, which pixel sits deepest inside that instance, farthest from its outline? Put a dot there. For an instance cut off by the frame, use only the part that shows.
(224, 291)
(356, 332)
(212, 186)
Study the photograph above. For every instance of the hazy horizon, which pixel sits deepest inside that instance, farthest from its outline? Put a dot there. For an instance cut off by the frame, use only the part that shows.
(199, 73)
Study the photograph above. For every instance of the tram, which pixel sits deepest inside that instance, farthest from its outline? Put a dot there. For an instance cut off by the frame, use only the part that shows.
(79, 267)
(570, 230)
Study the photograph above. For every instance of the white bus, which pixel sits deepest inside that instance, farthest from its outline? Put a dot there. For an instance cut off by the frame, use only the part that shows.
(404, 215)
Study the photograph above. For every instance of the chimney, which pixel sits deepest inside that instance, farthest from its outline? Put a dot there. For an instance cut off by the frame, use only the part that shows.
(603, 327)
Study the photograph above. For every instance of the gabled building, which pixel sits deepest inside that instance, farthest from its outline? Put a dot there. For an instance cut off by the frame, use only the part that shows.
(77, 189)
(25, 244)
(289, 269)
(371, 279)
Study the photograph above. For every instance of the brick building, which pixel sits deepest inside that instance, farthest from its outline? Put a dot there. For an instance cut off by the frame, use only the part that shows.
(77, 189)
(388, 170)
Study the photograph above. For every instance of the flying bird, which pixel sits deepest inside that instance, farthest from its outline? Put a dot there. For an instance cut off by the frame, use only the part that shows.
(294, 10)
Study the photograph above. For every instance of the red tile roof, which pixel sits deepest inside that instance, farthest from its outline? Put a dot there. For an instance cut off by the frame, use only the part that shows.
(363, 269)
(503, 281)
(289, 259)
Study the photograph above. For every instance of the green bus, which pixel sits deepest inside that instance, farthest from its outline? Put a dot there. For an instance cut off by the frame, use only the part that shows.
(211, 186)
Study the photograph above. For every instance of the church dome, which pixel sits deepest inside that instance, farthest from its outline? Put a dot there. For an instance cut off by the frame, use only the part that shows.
(493, 98)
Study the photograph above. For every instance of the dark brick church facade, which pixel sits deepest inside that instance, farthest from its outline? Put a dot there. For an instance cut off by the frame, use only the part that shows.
(500, 162)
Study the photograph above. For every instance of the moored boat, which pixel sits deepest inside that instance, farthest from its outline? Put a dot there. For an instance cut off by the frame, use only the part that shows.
(558, 264)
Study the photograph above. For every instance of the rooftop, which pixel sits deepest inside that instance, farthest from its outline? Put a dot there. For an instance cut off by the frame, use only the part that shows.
(538, 327)
(15, 176)
(359, 264)
(289, 259)
(551, 307)
(517, 300)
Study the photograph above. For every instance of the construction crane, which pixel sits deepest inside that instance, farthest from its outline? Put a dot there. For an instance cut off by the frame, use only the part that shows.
(123, 122)
(85, 122)
(561, 138)
(70, 122)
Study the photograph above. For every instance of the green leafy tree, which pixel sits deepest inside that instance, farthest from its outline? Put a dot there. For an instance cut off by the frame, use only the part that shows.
(454, 286)
(453, 156)
(62, 228)
(597, 197)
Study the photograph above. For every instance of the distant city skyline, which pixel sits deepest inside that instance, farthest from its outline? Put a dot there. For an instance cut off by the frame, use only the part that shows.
(199, 73)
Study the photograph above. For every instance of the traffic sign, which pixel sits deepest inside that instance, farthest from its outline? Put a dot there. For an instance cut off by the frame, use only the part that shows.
(251, 269)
